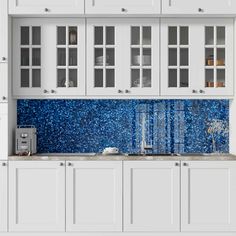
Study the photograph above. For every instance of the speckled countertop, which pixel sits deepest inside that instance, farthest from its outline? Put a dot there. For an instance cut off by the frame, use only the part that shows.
(67, 157)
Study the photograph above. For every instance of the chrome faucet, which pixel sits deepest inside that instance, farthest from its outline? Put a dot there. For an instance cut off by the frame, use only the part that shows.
(144, 146)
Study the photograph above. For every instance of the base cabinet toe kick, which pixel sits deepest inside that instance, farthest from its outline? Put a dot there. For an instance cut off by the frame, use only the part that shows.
(135, 198)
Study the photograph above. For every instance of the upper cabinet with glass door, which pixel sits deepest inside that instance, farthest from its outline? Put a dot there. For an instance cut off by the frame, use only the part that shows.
(123, 7)
(123, 57)
(49, 57)
(46, 7)
(198, 7)
(197, 67)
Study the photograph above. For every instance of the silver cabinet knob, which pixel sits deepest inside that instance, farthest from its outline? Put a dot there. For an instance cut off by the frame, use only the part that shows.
(4, 98)
(45, 91)
(194, 91)
(123, 10)
(176, 163)
(69, 164)
(120, 91)
(200, 10)
(46, 9)
(53, 91)
(61, 164)
(4, 58)
(127, 91)
(4, 164)
(201, 91)
(185, 164)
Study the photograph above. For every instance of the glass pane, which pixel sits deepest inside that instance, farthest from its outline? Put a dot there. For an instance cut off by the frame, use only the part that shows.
(220, 35)
(172, 35)
(36, 78)
(172, 78)
(135, 56)
(135, 35)
(73, 78)
(110, 35)
(209, 76)
(147, 78)
(61, 78)
(147, 35)
(110, 56)
(98, 82)
(209, 54)
(172, 56)
(61, 56)
(220, 78)
(25, 78)
(25, 56)
(220, 57)
(184, 78)
(184, 56)
(72, 36)
(98, 57)
(147, 59)
(98, 36)
(72, 56)
(61, 35)
(24, 35)
(135, 78)
(209, 35)
(110, 78)
(36, 57)
(36, 35)
(183, 35)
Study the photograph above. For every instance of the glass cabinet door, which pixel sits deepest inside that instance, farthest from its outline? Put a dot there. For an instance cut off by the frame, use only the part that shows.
(30, 57)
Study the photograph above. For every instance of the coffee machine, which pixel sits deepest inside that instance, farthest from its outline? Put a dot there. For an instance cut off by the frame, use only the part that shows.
(26, 140)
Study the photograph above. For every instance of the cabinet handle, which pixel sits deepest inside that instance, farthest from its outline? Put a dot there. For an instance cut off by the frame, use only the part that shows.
(53, 91)
(194, 91)
(45, 91)
(4, 164)
(4, 98)
(200, 10)
(69, 164)
(4, 58)
(201, 91)
(61, 164)
(176, 163)
(123, 10)
(127, 91)
(119, 91)
(185, 164)
(46, 10)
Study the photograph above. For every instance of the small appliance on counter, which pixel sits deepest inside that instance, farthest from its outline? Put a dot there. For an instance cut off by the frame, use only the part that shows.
(26, 140)
(111, 151)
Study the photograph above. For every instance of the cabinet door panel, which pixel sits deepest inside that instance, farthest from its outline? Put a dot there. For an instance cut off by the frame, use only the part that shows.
(94, 196)
(123, 7)
(151, 196)
(198, 7)
(4, 82)
(36, 196)
(4, 31)
(46, 6)
(208, 193)
(3, 131)
(3, 196)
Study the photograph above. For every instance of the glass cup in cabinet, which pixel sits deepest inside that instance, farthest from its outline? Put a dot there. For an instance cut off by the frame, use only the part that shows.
(135, 57)
(72, 36)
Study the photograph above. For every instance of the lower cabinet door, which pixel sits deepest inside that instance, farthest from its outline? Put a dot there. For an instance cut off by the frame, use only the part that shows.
(36, 196)
(208, 196)
(94, 196)
(3, 196)
(151, 196)
(3, 131)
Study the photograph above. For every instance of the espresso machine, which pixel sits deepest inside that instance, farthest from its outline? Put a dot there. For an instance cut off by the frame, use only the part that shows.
(26, 140)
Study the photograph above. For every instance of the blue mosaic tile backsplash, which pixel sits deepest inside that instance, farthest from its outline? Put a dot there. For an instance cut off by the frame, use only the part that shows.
(176, 126)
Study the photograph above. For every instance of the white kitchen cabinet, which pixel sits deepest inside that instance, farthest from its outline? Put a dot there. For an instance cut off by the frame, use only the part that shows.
(123, 7)
(201, 67)
(3, 196)
(49, 57)
(36, 196)
(3, 131)
(4, 82)
(151, 196)
(208, 193)
(123, 57)
(94, 196)
(199, 7)
(46, 7)
(4, 30)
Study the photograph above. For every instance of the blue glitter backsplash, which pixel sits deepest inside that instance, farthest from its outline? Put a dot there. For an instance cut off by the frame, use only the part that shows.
(177, 126)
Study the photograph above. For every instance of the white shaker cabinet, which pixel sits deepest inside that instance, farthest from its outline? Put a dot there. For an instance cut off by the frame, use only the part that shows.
(3, 82)
(202, 67)
(123, 57)
(3, 196)
(208, 193)
(3, 131)
(4, 30)
(199, 7)
(49, 57)
(151, 196)
(94, 196)
(36, 196)
(46, 7)
(123, 7)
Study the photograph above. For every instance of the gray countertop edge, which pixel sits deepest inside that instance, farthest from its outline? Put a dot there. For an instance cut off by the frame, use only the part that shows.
(223, 157)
